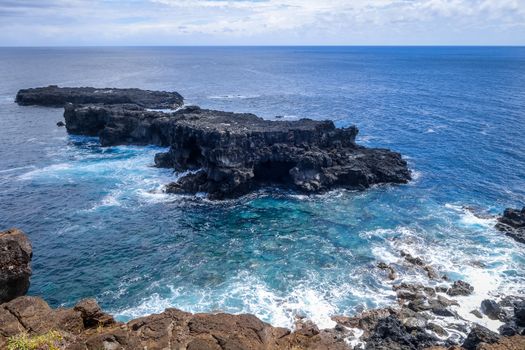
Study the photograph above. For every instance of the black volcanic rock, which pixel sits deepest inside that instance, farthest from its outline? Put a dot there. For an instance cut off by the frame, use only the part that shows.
(15, 259)
(519, 313)
(479, 335)
(460, 288)
(233, 153)
(226, 154)
(391, 334)
(119, 124)
(54, 96)
(491, 309)
(239, 152)
(512, 223)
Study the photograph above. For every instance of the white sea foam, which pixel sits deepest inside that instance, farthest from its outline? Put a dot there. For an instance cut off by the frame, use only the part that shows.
(318, 301)
(435, 128)
(256, 297)
(282, 311)
(469, 218)
(166, 110)
(51, 170)
(486, 286)
(290, 117)
(109, 200)
(154, 196)
(365, 138)
(16, 169)
(154, 304)
(355, 340)
(487, 274)
(232, 97)
(416, 176)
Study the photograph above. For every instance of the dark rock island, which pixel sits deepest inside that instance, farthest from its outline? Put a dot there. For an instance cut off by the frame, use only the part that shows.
(230, 154)
(54, 96)
(512, 223)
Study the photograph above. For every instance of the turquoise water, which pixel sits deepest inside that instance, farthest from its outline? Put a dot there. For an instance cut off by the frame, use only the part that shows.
(101, 226)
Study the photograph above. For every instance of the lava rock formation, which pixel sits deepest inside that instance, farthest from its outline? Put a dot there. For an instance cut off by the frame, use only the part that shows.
(229, 154)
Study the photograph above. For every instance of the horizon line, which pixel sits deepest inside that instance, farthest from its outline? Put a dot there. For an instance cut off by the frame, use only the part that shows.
(278, 45)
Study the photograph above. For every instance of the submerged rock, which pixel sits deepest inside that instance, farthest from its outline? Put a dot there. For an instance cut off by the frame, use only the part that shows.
(392, 275)
(15, 259)
(492, 309)
(460, 288)
(54, 96)
(476, 313)
(230, 154)
(512, 223)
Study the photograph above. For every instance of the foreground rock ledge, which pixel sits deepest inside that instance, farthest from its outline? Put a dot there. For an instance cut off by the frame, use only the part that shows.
(86, 326)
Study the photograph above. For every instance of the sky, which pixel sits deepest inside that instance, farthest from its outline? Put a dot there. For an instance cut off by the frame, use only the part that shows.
(261, 22)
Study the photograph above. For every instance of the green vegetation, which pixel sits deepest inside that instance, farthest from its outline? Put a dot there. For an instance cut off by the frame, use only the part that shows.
(47, 341)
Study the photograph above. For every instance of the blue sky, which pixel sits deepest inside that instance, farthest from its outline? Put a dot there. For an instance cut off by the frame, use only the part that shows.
(261, 22)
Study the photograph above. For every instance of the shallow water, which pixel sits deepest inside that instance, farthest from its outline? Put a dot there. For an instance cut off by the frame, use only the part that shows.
(101, 226)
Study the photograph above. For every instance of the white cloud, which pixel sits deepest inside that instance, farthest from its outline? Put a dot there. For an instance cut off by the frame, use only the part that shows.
(263, 21)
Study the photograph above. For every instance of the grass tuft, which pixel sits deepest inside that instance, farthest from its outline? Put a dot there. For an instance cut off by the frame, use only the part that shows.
(47, 341)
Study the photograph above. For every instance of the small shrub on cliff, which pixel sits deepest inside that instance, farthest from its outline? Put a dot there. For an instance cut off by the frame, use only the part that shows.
(47, 341)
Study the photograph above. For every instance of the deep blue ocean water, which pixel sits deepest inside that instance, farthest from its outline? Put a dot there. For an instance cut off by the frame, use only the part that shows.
(101, 226)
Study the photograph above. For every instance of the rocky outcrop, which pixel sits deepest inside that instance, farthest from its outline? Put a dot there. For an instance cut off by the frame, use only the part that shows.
(227, 154)
(230, 154)
(54, 96)
(492, 309)
(391, 333)
(512, 223)
(238, 153)
(460, 288)
(87, 327)
(479, 335)
(511, 311)
(15, 259)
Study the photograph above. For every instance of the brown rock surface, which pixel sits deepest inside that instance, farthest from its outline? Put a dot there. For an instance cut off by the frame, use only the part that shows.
(172, 329)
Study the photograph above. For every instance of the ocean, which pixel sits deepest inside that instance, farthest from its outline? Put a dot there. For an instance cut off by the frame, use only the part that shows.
(102, 227)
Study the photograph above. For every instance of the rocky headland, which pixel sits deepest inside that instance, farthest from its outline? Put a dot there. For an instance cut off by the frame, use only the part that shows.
(230, 154)
(226, 154)
(423, 318)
